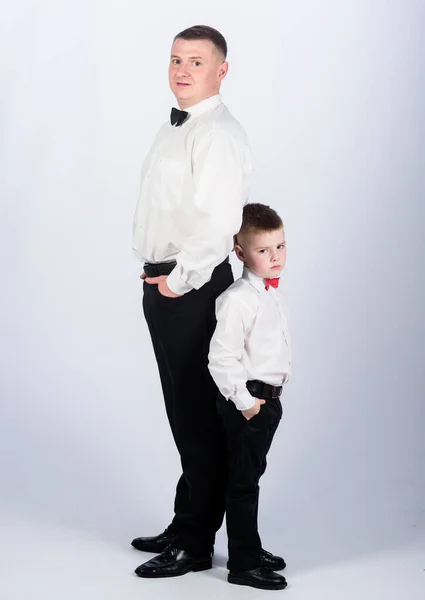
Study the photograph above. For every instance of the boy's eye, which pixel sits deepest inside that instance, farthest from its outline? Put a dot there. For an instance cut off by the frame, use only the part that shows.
(263, 250)
(281, 246)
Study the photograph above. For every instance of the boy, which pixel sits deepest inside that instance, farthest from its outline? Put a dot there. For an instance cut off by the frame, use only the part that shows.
(250, 360)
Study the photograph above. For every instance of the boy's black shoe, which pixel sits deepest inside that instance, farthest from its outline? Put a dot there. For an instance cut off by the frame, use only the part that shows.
(271, 561)
(259, 578)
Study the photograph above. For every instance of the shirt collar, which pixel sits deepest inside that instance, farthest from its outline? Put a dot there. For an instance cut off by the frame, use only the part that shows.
(205, 105)
(253, 279)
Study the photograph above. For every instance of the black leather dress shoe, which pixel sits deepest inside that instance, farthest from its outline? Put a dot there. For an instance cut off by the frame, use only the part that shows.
(260, 578)
(157, 543)
(272, 562)
(172, 563)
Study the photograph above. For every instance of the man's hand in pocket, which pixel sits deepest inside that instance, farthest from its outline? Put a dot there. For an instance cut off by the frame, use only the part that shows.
(163, 288)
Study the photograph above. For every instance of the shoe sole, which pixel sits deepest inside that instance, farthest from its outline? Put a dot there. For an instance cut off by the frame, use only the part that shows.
(201, 566)
(271, 569)
(240, 581)
(152, 549)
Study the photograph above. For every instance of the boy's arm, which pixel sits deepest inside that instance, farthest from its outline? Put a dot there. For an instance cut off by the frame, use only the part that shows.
(234, 319)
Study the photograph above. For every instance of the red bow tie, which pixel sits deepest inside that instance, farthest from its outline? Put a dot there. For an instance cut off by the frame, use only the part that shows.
(274, 282)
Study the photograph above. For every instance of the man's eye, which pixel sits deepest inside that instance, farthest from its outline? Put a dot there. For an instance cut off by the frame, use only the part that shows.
(176, 61)
(197, 63)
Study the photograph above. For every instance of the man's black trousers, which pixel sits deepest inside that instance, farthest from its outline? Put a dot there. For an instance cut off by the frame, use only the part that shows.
(181, 330)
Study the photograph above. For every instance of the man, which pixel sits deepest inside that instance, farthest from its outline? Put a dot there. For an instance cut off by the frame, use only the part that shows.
(195, 182)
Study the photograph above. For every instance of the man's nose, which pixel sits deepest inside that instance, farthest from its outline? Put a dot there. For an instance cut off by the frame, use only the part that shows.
(183, 70)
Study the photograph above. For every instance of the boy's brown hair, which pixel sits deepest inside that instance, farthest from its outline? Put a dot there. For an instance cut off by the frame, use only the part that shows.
(258, 217)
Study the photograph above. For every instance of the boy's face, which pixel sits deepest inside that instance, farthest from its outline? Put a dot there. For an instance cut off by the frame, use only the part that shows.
(196, 71)
(263, 253)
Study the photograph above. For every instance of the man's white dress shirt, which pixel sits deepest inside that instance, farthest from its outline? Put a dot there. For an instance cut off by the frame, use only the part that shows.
(251, 340)
(195, 183)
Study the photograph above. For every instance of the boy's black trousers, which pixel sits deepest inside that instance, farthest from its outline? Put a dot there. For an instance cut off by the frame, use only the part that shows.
(248, 445)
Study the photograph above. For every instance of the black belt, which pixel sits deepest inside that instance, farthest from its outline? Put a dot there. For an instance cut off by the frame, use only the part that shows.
(164, 268)
(157, 269)
(262, 390)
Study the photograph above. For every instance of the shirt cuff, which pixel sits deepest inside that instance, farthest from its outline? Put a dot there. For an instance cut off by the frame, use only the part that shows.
(243, 400)
(176, 284)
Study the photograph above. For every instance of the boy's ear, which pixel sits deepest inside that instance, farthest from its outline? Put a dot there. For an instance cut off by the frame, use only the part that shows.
(239, 252)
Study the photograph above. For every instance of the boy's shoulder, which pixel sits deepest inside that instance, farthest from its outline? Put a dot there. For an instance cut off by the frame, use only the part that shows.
(241, 294)
(239, 284)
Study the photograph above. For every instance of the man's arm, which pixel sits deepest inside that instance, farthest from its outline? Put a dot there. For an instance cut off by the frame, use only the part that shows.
(234, 319)
(221, 177)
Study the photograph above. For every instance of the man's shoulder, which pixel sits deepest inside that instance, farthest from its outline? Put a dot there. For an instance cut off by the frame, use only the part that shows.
(225, 120)
(221, 122)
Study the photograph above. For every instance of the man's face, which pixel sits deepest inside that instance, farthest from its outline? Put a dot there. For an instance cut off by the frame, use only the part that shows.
(196, 71)
(263, 253)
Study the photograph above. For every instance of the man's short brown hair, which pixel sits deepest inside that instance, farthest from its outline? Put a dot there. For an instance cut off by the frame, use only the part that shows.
(203, 32)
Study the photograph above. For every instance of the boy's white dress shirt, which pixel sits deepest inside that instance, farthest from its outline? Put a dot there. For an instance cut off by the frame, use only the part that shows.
(251, 340)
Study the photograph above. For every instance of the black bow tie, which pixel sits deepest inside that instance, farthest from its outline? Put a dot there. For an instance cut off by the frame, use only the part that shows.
(178, 117)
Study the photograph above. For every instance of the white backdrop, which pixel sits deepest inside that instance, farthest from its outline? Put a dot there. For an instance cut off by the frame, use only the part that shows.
(331, 94)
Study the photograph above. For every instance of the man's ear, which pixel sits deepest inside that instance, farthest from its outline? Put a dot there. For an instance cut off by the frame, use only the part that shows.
(224, 68)
(239, 253)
